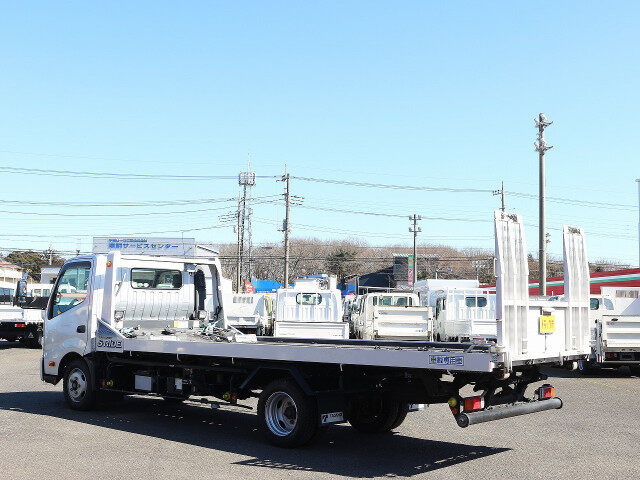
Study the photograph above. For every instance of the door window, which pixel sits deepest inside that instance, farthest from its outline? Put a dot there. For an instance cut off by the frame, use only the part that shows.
(153, 278)
(71, 289)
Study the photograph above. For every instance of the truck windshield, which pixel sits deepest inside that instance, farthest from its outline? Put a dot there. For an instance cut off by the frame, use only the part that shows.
(476, 301)
(391, 301)
(309, 299)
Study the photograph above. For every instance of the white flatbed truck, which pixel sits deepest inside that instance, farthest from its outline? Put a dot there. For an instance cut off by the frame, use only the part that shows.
(303, 385)
(22, 320)
(615, 327)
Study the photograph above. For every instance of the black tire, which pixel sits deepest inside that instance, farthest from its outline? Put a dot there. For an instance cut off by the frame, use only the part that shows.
(287, 417)
(624, 371)
(78, 385)
(377, 415)
(587, 367)
(402, 415)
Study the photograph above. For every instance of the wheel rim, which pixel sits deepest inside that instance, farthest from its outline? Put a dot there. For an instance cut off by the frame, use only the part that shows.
(77, 385)
(281, 414)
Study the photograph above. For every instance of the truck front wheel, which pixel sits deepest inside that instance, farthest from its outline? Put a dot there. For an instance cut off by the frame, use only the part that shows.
(78, 386)
(376, 415)
(288, 417)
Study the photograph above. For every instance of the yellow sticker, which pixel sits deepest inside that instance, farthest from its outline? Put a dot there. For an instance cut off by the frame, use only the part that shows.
(547, 323)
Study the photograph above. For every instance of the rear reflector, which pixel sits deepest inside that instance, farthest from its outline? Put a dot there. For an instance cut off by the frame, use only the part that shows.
(473, 403)
(20, 325)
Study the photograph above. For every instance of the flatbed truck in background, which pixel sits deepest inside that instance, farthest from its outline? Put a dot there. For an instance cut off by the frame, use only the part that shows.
(22, 319)
(615, 330)
(302, 385)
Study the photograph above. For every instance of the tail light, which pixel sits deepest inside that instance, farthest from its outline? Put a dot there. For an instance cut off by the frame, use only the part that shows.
(20, 325)
(546, 391)
(473, 403)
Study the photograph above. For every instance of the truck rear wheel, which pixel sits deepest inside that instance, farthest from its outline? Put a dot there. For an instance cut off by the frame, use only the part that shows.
(287, 417)
(402, 415)
(377, 415)
(78, 385)
(587, 367)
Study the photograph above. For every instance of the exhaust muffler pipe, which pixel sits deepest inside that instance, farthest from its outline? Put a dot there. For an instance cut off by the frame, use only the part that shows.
(497, 413)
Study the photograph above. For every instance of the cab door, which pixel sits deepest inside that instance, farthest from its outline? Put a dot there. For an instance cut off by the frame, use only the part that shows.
(67, 326)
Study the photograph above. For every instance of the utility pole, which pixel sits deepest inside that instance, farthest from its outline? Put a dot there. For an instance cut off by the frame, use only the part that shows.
(501, 193)
(246, 180)
(415, 229)
(239, 247)
(477, 265)
(638, 182)
(541, 147)
(285, 227)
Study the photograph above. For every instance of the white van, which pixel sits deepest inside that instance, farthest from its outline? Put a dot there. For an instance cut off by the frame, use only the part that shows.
(250, 312)
(394, 315)
(312, 308)
(461, 315)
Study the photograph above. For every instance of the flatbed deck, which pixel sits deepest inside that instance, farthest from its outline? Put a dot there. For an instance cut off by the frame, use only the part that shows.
(452, 357)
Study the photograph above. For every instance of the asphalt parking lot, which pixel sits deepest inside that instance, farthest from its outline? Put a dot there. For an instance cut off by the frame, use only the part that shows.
(595, 435)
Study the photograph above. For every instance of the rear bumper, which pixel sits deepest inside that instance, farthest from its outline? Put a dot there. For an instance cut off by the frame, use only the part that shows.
(9, 329)
(507, 411)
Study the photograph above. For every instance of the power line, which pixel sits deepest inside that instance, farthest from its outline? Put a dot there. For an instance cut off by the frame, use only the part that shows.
(143, 214)
(465, 190)
(150, 203)
(393, 187)
(114, 175)
(582, 203)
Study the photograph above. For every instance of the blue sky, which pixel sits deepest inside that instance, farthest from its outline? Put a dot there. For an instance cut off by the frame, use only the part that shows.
(409, 93)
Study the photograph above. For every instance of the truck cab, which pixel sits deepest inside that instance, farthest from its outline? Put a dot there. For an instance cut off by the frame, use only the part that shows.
(312, 308)
(465, 314)
(614, 321)
(153, 293)
(393, 315)
(250, 312)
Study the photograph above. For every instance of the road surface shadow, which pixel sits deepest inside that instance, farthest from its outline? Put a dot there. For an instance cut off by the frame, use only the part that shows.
(341, 451)
(598, 373)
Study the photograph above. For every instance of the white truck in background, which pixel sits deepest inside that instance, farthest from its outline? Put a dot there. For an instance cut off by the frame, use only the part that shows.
(312, 308)
(393, 315)
(250, 312)
(463, 312)
(615, 329)
(23, 318)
